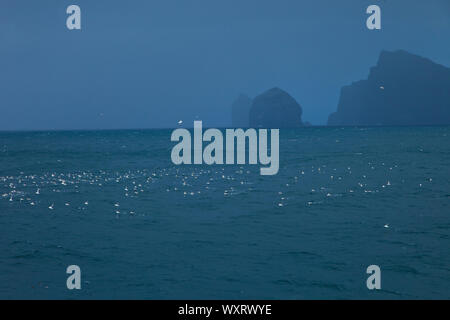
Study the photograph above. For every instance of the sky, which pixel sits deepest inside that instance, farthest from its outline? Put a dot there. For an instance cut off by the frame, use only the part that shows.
(149, 64)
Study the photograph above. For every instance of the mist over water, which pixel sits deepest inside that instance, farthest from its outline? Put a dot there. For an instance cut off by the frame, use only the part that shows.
(148, 64)
(138, 226)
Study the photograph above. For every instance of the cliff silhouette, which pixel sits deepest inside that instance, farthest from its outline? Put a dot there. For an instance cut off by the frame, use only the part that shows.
(402, 89)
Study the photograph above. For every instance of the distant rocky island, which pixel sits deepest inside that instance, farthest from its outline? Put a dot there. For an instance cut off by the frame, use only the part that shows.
(273, 108)
(402, 89)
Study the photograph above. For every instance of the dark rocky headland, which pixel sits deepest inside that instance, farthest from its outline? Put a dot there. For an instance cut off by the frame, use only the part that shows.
(402, 89)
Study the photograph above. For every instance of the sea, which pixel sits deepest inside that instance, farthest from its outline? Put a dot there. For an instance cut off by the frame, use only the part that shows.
(140, 227)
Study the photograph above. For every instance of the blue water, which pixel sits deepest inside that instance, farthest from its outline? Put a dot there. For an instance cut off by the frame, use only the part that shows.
(140, 227)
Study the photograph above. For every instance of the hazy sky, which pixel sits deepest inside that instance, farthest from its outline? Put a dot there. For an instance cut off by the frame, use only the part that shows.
(142, 64)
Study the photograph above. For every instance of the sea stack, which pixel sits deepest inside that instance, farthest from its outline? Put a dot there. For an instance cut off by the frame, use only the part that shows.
(275, 108)
(402, 89)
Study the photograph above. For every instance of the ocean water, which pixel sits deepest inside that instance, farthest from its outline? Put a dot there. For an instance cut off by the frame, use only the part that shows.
(140, 227)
